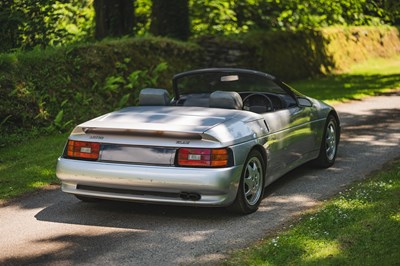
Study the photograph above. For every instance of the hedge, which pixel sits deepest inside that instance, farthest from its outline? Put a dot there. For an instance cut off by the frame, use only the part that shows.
(57, 88)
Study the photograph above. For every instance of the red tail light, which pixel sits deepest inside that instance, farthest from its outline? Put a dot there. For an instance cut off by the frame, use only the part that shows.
(203, 157)
(83, 150)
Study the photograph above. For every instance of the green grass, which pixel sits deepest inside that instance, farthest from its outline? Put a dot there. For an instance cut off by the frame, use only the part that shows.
(366, 79)
(29, 165)
(361, 226)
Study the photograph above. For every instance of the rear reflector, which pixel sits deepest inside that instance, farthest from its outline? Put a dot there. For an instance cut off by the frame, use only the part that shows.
(83, 150)
(203, 157)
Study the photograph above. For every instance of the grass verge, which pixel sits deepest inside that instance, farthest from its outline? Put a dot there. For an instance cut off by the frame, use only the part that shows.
(367, 79)
(30, 165)
(361, 226)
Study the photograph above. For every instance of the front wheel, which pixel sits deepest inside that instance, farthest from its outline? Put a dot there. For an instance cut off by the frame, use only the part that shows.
(251, 187)
(329, 144)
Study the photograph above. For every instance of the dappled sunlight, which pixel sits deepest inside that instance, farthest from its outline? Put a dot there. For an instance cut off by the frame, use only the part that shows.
(299, 199)
(264, 208)
(322, 249)
(371, 140)
(196, 236)
(204, 259)
(391, 66)
(395, 217)
(37, 184)
(349, 86)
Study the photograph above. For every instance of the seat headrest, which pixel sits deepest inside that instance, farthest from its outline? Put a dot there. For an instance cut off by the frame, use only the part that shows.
(155, 97)
(226, 99)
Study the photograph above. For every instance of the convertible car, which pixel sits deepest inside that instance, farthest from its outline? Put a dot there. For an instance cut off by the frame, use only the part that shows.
(219, 141)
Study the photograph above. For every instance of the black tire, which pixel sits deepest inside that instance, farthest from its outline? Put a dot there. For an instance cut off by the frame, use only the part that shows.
(86, 199)
(329, 144)
(251, 187)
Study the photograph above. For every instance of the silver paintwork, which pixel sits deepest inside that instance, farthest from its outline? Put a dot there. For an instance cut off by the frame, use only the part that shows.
(216, 186)
(139, 145)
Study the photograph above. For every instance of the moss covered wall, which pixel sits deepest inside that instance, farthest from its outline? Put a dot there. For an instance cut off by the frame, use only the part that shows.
(301, 54)
(346, 46)
(57, 88)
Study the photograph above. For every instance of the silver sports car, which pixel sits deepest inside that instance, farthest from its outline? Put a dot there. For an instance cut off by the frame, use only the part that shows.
(219, 141)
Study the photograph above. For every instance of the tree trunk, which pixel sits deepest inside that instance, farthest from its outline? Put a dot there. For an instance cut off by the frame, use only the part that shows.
(113, 18)
(170, 18)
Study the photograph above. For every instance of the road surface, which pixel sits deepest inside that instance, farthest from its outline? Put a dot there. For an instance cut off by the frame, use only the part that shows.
(51, 227)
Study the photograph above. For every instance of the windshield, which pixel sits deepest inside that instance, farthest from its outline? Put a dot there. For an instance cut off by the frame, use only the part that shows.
(222, 81)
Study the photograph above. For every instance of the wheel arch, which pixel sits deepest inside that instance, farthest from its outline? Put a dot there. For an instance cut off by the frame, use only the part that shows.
(336, 116)
(264, 155)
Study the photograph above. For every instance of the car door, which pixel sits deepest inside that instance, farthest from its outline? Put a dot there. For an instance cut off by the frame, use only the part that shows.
(291, 139)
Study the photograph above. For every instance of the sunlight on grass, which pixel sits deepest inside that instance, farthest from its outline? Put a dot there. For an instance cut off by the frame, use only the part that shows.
(379, 65)
(27, 166)
(395, 217)
(358, 227)
(367, 79)
(320, 249)
(37, 184)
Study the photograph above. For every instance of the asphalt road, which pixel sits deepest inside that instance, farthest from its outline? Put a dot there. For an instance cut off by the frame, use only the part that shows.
(51, 227)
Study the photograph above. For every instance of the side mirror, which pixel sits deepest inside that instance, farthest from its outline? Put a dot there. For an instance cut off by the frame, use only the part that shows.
(304, 102)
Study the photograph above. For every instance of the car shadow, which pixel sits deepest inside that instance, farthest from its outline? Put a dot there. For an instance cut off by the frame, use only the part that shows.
(130, 215)
(124, 214)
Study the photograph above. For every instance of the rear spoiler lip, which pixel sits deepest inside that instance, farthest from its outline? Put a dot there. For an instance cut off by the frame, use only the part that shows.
(143, 133)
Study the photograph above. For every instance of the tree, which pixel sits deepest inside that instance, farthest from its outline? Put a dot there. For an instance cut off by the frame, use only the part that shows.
(170, 18)
(113, 18)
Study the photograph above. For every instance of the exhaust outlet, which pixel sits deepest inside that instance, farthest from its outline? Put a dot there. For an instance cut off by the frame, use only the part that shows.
(190, 196)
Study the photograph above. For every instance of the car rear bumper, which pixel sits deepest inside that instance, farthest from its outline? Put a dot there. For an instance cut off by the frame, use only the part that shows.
(152, 184)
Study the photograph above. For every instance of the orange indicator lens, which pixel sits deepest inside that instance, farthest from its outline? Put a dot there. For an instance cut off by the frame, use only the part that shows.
(83, 150)
(203, 157)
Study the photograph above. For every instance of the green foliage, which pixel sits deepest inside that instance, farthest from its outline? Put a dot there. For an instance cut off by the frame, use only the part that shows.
(142, 17)
(71, 22)
(27, 24)
(130, 84)
(225, 17)
(216, 17)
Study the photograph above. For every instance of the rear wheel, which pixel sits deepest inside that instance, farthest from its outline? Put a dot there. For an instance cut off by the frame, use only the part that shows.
(329, 144)
(251, 187)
